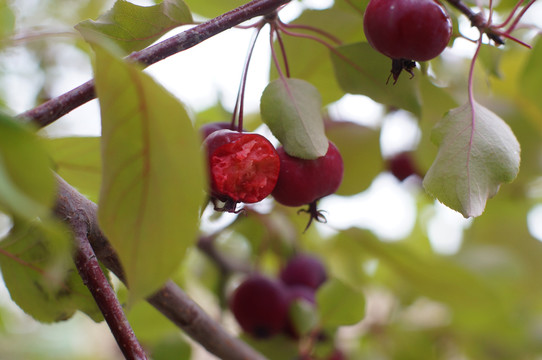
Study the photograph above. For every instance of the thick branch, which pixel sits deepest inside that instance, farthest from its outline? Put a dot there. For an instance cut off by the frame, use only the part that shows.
(53, 109)
(93, 277)
(170, 300)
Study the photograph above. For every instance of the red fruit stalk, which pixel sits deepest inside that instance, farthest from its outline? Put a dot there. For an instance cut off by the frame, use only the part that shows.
(243, 167)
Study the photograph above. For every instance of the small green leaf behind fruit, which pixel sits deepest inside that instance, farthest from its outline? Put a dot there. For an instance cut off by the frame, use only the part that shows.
(477, 153)
(134, 27)
(361, 70)
(292, 109)
(360, 150)
(339, 304)
(153, 178)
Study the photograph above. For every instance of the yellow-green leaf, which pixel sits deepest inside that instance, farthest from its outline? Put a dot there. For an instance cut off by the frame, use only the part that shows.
(152, 183)
(477, 153)
(77, 160)
(27, 186)
(134, 27)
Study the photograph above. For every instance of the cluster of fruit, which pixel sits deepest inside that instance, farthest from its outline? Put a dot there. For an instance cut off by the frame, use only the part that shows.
(246, 168)
(263, 306)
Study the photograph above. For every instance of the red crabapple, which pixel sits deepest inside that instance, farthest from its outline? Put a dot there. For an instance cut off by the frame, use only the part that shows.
(260, 306)
(243, 167)
(407, 30)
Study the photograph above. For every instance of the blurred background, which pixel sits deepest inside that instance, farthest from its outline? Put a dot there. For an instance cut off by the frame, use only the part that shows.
(417, 257)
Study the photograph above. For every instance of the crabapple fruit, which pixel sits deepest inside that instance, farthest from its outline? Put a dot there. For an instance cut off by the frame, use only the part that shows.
(407, 30)
(243, 167)
(260, 306)
(302, 182)
(304, 270)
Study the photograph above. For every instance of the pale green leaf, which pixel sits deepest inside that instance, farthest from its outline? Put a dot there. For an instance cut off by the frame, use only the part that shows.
(477, 153)
(213, 8)
(360, 150)
(362, 70)
(38, 270)
(292, 110)
(77, 160)
(152, 184)
(339, 304)
(27, 186)
(134, 27)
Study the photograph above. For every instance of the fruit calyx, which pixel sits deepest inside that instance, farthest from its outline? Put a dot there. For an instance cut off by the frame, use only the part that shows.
(243, 167)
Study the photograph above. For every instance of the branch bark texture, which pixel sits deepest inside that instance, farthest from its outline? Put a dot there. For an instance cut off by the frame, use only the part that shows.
(90, 271)
(170, 300)
(55, 108)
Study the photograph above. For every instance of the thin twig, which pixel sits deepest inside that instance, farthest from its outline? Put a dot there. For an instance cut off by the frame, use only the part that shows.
(93, 277)
(170, 300)
(55, 108)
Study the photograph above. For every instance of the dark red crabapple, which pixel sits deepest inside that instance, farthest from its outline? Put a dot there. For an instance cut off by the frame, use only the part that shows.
(407, 30)
(303, 181)
(304, 270)
(243, 167)
(209, 128)
(260, 306)
(402, 165)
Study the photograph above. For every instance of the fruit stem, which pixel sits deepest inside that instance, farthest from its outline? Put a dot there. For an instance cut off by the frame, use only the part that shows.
(274, 53)
(240, 101)
(283, 51)
(55, 108)
(520, 15)
(349, 2)
(331, 37)
(332, 49)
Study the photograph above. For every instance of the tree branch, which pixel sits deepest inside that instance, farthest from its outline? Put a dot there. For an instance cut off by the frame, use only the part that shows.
(93, 277)
(170, 300)
(55, 108)
(477, 20)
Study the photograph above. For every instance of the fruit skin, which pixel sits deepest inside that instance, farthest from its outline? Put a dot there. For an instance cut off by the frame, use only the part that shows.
(303, 181)
(207, 129)
(260, 306)
(402, 165)
(243, 167)
(416, 30)
(304, 270)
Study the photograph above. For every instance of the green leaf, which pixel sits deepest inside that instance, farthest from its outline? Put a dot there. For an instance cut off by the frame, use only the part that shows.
(362, 70)
(27, 185)
(213, 8)
(39, 273)
(339, 304)
(134, 27)
(77, 160)
(303, 315)
(292, 110)
(153, 177)
(477, 152)
(7, 20)
(360, 150)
